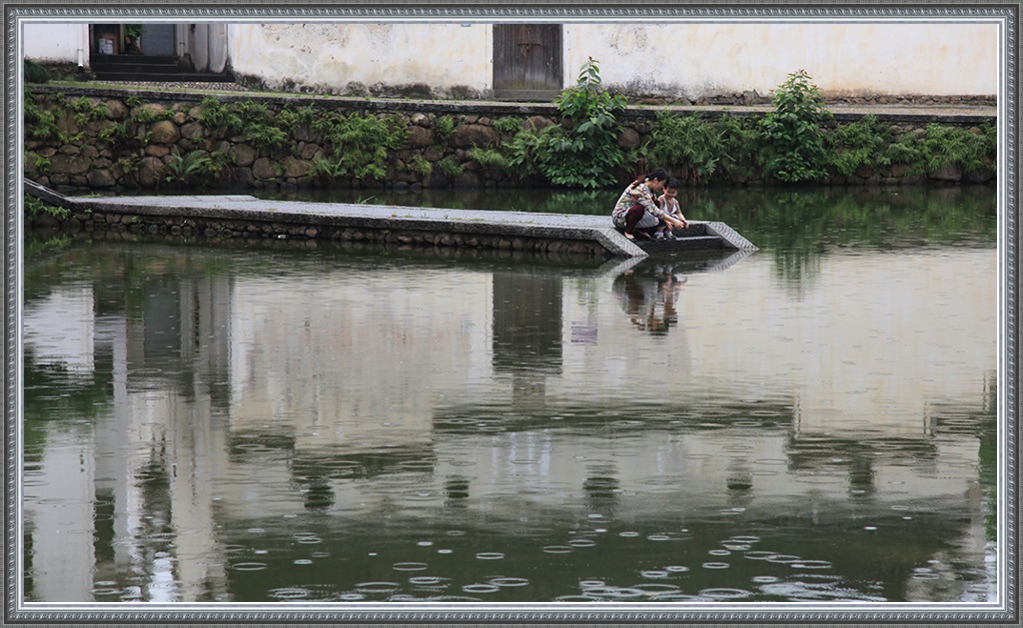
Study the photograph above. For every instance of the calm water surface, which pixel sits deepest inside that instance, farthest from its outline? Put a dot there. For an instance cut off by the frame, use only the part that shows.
(812, 422)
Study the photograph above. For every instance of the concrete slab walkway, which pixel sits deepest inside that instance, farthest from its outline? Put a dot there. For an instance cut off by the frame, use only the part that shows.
(252, 210)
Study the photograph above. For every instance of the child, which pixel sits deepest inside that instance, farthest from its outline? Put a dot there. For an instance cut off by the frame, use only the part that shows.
(669, 204)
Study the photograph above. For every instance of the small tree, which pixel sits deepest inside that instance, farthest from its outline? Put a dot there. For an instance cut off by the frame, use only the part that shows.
(585, 151)
(793, 131)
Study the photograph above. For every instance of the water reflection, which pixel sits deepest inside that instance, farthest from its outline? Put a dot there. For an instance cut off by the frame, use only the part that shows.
(266, 425)
(647, 294)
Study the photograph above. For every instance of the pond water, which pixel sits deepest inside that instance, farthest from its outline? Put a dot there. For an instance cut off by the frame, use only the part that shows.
(815, 421)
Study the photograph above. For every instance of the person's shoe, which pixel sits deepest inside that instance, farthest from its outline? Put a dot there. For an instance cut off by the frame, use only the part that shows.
(659, 235)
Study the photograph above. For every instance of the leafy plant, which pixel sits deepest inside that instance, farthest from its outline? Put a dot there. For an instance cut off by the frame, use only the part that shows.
(509, 125)
(35, 207)
(860, 143)
(489, 157)
(949, 145)
(324, 168)
(179, 168)
(42, 164)
(35, 73)
(444, 126)
(690, 143)
(450, 167)
(793, 129)
(85, 111)
(361, 144)
(585, 152)
(421, 165)
(40, 123)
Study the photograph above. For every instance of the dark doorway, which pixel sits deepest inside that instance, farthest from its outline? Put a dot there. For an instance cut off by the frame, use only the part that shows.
(527, 61)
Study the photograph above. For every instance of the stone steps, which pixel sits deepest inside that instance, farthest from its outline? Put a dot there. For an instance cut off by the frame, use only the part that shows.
(161, 68)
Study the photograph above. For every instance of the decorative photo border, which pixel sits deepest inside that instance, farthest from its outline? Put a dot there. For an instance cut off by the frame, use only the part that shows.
(1004, 611)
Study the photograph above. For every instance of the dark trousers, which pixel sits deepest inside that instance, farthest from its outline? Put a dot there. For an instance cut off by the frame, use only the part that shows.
(634, 215)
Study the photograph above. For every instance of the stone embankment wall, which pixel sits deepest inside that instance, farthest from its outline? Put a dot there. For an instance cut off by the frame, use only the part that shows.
(104, 140)
(198, 228)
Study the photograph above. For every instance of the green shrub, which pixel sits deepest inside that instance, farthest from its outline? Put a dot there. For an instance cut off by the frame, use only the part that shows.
(585, 152)
(35, 73)
(444, 126)
(40, 123)
(690, 144)
(361, 144)
(948, 145)
(450, 167)
(860, 143)
(489, 157)
(797, 151)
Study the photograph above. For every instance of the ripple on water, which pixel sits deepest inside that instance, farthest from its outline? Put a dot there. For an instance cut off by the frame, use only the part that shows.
(558, 549)
(714, 565)
(614, 593)
(810, 564)
(504, 581)
(409, 566)
(489, 555)
(725, 593)
(289, 593)
(651, 588)
(481, 588)
(249, 566)
(377, 587)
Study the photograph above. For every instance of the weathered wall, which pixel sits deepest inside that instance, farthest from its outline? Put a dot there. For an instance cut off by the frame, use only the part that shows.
(161, 141)
(704, 59)
(56, 43)
(328, 57)
(690, 60)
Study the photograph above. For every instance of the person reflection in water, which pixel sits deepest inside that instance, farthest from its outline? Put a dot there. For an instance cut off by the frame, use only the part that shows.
(647, 294)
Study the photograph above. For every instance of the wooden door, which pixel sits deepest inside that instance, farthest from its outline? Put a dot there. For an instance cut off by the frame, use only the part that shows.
(527, 61)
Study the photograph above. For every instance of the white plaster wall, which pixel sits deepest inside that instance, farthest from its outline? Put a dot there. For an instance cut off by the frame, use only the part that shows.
(706, 59)
(329, 56)
(55, 42)
(677, 59)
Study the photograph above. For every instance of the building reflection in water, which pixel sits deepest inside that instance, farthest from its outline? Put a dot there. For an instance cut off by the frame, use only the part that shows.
(221, 400)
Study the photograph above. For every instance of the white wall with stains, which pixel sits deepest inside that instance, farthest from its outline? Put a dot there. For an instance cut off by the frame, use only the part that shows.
(329, 56)
(57, 43)
(674, 59)
(705, 59)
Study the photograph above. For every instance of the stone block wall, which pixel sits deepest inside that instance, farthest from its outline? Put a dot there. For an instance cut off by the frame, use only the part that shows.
(97, 140)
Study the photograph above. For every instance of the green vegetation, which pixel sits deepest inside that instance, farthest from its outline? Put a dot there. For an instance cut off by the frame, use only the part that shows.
(444, 126)
(360, 145)
(489, 158)
(450, 167)
(585, 151)
(197, 166)
(509, 125)
(40, 124)
(798, 141)
(795, 139)
(35, 73)
(35, 208)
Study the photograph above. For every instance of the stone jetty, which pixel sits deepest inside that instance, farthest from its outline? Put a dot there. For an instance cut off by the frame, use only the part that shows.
(244, 216)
